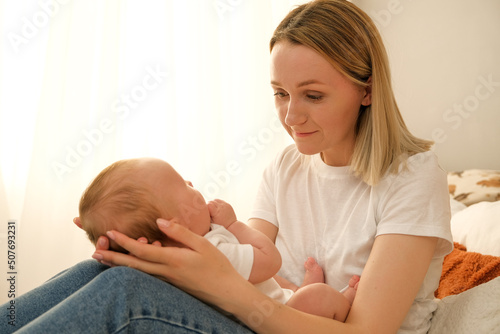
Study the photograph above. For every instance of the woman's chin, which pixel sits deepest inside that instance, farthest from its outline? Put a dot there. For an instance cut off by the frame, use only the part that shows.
(306, 149)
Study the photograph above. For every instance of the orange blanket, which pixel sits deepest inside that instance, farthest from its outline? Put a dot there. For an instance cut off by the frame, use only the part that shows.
(463, 270)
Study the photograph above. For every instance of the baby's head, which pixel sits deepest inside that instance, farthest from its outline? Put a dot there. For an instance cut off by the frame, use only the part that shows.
(129, 195)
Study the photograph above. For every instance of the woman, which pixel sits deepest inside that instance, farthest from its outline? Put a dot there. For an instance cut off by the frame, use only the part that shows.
(357, 192)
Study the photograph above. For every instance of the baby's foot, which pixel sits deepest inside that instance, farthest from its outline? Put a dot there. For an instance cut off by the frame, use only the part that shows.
(314, 273)
(350, 292)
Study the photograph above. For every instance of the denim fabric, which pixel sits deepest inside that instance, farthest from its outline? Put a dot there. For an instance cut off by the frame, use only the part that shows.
(89, 298)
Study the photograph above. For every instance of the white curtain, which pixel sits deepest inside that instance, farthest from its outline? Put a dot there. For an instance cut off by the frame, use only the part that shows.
(87, 82)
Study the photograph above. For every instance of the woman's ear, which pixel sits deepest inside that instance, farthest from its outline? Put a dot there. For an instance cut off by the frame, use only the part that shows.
(77, 222)
(367, 98)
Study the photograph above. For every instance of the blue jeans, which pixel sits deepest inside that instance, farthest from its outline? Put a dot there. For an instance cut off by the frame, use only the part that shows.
(93, 298)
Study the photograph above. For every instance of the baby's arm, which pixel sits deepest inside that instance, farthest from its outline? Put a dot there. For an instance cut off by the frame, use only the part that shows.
(222, 213)
(267, 259)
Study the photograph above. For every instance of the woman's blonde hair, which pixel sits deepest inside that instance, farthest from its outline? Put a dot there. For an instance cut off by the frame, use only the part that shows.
(349, 40)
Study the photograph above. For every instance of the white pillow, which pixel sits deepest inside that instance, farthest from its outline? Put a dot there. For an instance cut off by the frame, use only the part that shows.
(456, 206)
(477, 227)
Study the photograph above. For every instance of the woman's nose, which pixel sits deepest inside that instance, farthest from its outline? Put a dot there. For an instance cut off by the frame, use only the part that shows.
(295, 115)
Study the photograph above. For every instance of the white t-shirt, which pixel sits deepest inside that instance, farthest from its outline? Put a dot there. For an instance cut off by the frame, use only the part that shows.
(327, 213)
(241, 257)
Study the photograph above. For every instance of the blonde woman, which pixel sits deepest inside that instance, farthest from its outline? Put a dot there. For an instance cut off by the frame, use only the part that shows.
(356, 191)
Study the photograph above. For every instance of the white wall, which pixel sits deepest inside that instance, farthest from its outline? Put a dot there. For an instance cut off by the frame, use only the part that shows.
(67, 67)
(445, 60)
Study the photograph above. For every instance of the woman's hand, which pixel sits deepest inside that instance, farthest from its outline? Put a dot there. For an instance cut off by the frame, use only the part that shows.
(103, 242)
(198, 268)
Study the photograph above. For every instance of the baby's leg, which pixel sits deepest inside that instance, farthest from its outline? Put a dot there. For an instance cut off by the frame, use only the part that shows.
(314, 273)
(321, 299)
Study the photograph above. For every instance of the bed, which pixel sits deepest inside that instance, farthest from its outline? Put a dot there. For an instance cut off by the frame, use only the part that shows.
(469, 291)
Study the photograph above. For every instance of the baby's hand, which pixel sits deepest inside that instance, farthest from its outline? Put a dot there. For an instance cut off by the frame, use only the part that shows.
(221, 212)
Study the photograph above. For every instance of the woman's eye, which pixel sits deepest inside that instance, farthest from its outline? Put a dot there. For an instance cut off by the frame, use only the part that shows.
(314, 97)
(280, 94)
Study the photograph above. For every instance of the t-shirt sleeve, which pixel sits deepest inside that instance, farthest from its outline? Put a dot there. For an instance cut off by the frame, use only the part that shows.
(240, 255)
(265, 201)
(416, 202)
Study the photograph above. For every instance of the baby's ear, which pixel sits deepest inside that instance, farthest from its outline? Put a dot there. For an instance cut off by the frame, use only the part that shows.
(77, 222)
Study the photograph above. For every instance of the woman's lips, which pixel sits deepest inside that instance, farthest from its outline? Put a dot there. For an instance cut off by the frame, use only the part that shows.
(303, 134)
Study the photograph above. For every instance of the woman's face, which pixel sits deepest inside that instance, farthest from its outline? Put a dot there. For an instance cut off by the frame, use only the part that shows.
(316, 104)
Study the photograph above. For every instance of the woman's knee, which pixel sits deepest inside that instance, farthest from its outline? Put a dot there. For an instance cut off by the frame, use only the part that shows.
(123, 275)
(131, 281)
(86, 268)
(90, 265)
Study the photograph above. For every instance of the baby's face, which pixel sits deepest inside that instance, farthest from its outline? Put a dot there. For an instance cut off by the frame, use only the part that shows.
(177, 197)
